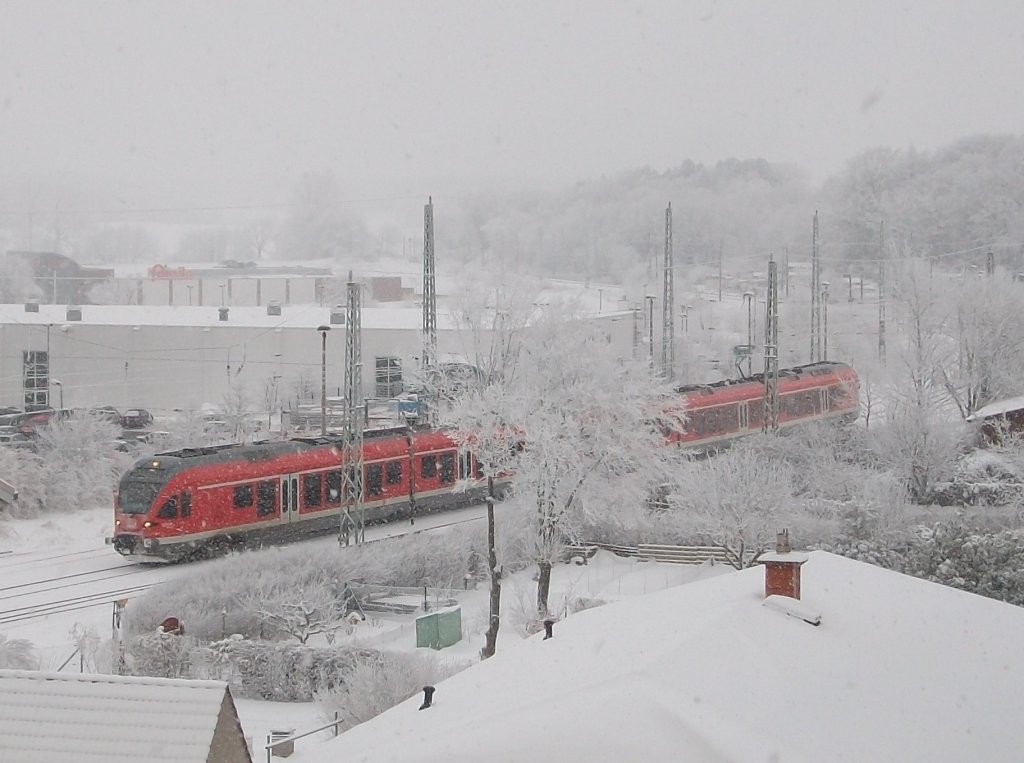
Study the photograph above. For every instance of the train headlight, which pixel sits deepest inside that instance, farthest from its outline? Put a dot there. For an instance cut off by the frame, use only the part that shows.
(147, 524)
(117, 523)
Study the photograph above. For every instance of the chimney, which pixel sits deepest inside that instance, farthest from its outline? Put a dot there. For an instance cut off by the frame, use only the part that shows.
(74, 313)
(338, 315)
(32, 306)
(223, 312)
(782, 568)
(273, 307)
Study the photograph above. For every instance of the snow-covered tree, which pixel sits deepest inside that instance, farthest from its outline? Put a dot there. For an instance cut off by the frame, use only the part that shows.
(735, 500)
(584, 417)
(17, 654)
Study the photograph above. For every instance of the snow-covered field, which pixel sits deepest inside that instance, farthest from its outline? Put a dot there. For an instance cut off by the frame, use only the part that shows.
(58, 576)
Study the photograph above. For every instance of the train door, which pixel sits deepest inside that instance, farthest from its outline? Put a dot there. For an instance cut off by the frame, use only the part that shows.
(823, 400)
(744, 416)
(289, 498)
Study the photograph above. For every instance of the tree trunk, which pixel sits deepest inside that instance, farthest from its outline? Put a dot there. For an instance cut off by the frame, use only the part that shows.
(543, 587)
(492, 563)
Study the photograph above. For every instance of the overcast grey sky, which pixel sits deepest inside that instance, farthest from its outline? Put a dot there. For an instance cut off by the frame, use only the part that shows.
(227, 103)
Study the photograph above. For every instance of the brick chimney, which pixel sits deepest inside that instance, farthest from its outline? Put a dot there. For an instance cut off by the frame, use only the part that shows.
(782, 568)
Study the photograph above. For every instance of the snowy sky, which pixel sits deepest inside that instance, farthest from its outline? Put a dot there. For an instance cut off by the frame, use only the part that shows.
(226, 103)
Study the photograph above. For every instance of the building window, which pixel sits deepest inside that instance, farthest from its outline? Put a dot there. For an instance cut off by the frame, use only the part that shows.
(243, 496)
(36, 379)
(389, 376)
(374, 474)
(265, 498)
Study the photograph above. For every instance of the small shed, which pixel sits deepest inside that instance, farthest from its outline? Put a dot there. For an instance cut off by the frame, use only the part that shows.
(1000, 418)
(75, 718)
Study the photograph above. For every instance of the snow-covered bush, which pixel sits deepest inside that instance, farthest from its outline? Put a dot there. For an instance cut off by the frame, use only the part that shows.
(988, 564)
(228, 595)
(17, 654)
(165, 655)
(277, 671)
(75, 465)
(377, 684)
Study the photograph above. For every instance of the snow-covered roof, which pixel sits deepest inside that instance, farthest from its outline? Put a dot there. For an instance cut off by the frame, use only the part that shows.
(898, 669)
(57, 717)
(408, 318)
(998, 408)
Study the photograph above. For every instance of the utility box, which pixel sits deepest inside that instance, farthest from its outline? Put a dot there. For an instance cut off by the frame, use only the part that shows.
(439, 629)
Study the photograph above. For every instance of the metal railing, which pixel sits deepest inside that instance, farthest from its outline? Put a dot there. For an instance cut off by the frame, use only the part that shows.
(273, 743)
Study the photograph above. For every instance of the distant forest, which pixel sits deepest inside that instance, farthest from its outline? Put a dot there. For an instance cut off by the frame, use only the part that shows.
(952, 204)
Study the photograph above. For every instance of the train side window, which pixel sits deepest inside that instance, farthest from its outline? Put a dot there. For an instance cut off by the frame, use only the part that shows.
(312, 490)
(243, 496)
(333, 488)
(170, 509)
(374, 475)
(447, 468)
(428, 466)
(265, 495)
(393, 472)
(186, 504)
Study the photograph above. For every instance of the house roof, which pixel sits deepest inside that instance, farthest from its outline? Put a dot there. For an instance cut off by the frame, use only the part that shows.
(898, 669)
(998, 408)
(56, 717)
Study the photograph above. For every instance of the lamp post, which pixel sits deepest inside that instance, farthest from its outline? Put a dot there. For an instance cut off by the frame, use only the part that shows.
(650, 329)
(60, 386)
(323, 378)
(748, 297)
(824, 310)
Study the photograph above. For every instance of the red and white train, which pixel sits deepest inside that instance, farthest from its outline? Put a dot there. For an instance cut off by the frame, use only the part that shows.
(172, 505)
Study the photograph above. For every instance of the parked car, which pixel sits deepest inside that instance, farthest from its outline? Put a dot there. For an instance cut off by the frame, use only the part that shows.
(108, 413)
(136, 418)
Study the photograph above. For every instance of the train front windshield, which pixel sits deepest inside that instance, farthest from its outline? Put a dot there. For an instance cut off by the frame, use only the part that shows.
(136, 496)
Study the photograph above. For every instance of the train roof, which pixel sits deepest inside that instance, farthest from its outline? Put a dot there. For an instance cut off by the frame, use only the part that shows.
(174, 461)
(823, 368)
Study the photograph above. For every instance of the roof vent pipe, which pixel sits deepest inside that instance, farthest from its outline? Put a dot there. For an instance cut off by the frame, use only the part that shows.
(223, 312)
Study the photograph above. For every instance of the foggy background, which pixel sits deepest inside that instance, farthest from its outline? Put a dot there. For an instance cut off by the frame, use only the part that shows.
(549, 134)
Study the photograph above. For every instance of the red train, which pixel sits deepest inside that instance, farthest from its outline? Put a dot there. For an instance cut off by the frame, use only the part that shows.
(713, 414)
(172, 505)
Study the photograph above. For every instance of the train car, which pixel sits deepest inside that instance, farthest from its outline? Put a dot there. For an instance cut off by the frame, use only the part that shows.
(175, 505)
(712, 415)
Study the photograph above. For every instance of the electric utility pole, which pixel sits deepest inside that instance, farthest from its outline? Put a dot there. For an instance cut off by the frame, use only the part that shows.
(428, 358)
(352, 518)
(668, 326)
(815, 295)
(771, 352)
(881, 291)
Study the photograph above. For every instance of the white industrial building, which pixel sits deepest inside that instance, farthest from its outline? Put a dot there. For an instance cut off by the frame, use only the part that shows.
(180, 357)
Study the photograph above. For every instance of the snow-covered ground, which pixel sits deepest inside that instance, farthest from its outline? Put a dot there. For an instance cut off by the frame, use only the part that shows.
(57, 575)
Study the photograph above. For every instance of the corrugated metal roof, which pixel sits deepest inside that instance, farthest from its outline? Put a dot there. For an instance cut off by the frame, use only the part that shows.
(57, 717)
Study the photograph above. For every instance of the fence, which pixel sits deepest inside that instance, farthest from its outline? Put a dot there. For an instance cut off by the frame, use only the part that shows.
(651, 552)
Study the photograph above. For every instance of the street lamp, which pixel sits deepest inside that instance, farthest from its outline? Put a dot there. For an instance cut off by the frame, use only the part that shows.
(60, 386)
(824, 309)
(323, 378)
(748, 297)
